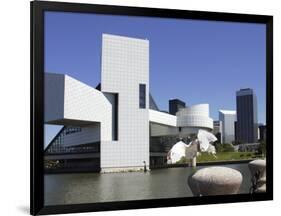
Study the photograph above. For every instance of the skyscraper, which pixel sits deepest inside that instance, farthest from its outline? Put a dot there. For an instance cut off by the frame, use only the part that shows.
(175, 105)
(228, 118)
(247, 121)
(262, 132)
(217, 130)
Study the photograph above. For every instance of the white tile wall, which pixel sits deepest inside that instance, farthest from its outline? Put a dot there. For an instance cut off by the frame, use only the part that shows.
(162, 118)
(83, 102)
(125, 65)
(80, 103)
(196, 116)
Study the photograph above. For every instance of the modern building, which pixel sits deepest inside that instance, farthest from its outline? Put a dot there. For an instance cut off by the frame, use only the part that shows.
(116, 126)
(262, 132)
(175, 105)
(217, 131)
(247, 120)
(228, 118)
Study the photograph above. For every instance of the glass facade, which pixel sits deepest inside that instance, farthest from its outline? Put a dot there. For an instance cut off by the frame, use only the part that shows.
(57, 146)
(59, 158)
(247, 125)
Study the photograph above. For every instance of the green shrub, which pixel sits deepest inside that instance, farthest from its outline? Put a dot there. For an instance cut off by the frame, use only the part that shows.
(225, 147)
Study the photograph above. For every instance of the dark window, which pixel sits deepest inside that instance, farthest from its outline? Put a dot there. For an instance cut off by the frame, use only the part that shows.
(142, 96)
(115, 133)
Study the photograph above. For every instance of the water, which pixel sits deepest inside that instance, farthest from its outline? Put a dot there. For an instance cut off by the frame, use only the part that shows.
(95, 187)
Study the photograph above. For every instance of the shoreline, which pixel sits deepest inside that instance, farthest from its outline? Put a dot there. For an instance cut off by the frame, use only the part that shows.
(204, 163)
(209, 163)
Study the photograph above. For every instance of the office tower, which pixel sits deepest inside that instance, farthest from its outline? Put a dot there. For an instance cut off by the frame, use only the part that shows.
(228, 118)
(262, 132)
(217, 131)
(247, 122)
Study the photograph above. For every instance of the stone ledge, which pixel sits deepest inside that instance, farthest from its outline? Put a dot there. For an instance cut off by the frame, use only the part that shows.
(123, 169)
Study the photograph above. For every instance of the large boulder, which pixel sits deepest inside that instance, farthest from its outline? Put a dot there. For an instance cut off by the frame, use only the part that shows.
(258, 166)
(215, 181)
(258, 172)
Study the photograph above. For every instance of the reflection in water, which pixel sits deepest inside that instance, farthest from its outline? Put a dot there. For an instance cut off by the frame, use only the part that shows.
(96, 187)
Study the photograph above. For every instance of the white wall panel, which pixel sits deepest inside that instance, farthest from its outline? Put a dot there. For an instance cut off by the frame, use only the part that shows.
(162, 118)
(79, 104)
(85, 103)
(125, 65)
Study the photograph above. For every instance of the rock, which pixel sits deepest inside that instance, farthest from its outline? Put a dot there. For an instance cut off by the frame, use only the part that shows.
(258, 172)
(261, 189)
(215, 181)
(262, 180)
(258, 166)
(193, 186)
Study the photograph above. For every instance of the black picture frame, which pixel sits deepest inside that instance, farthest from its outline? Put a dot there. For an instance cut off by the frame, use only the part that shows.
(37, 105)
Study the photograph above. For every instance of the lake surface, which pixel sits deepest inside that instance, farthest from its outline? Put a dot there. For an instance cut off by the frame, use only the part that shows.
(95, 187)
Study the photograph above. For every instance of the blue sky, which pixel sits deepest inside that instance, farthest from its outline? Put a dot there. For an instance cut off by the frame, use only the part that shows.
(195, 61)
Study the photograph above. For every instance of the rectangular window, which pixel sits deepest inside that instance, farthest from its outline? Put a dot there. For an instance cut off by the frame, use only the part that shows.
(115, 133)
(142, 97)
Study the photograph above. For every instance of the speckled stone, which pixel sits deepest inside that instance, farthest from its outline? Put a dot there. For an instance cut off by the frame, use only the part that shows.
(215, 181)
(261, 189)
(258, 165)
